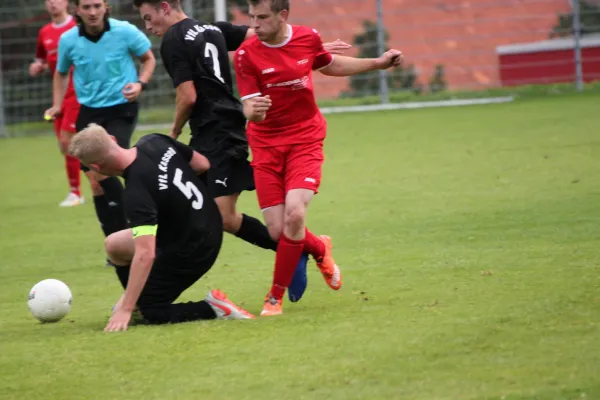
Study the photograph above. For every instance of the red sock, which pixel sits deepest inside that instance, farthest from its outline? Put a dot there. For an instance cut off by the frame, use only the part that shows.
(73, 173)
(313, 245)
(286, 258)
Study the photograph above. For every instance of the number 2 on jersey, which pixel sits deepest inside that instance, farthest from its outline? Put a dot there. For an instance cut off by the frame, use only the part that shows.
(188, 189)
(210, 50)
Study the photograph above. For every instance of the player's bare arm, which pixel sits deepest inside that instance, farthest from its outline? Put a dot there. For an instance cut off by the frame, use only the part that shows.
(346, 66)
(199, 163)
(59, 88)
(255, 108)
(145, 249)
(185, 100)
(132, 90)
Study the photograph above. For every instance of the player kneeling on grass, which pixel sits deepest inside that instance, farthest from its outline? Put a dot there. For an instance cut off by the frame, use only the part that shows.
(176, 232)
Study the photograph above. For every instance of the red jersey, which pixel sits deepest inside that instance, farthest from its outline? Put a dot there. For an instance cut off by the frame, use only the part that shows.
(284, 72)
(47, 47)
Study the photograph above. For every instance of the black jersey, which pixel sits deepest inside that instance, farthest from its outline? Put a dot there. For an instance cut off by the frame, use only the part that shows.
(197, 51)
(162, 189)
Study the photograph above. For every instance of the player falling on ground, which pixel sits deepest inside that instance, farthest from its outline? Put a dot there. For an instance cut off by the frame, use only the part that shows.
(46, 56)
(176, 228)
(286, 132)
(195, 55)
(102, 51)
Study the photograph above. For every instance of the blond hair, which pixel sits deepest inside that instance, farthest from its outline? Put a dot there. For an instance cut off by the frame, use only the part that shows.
(91, 145)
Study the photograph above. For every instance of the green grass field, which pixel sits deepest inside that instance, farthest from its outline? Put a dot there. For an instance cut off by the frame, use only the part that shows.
(469, 240)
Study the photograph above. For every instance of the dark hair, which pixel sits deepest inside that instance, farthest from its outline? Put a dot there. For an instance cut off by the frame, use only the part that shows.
(176, 4)
(276, 5)
(80, 21)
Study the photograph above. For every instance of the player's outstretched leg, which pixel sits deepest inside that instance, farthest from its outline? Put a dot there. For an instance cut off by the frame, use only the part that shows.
(321, 249)
(225, 308)
(256, 233)
(243, 226)
(288, 254)
(216, 305)
(299, 281)
(288, 221)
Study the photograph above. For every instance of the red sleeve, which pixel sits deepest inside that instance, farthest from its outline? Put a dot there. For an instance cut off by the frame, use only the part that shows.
(322, 57)
(40, 50)
(246, 77)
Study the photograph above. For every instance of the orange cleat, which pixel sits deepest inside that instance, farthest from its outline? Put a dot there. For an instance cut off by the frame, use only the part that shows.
(225, 308)
(271, 307)
(331, 272)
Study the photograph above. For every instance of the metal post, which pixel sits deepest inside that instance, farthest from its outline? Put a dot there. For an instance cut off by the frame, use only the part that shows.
(220, 10)
(2, 115)
(383, 84)
(577, 37)
(188, 8)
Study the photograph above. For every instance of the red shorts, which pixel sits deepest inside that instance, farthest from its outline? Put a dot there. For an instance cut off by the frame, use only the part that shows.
(68, 116)
(279, 169)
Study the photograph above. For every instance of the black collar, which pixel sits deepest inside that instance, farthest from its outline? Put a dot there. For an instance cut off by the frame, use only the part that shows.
(91, 38)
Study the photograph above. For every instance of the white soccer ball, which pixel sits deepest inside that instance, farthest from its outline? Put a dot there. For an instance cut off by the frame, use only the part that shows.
(49, 300)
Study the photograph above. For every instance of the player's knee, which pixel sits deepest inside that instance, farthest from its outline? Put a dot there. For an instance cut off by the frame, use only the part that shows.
(294, 217)
(118, 251)
(110, 246)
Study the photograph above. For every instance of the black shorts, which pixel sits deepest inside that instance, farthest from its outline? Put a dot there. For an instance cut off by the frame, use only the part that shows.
(230, 171)
(119, 121)
(169, 278)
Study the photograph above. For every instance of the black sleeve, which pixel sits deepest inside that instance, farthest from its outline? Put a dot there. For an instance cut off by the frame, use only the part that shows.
(234, 34)
(176, 61)
(140, 204)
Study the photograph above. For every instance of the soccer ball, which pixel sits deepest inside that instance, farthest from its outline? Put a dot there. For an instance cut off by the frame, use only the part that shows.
(49, 300)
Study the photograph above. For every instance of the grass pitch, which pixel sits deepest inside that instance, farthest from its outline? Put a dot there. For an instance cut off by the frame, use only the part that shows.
(469, 243)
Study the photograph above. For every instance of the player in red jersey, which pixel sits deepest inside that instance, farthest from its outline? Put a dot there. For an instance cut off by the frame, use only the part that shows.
(45, 59)
(286, 132)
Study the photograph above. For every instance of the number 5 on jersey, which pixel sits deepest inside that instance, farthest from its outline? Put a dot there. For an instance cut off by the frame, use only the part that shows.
(188, 189)
(211, 51)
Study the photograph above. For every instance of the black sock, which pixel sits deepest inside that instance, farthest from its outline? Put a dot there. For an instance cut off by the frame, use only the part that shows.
(123, 274)
(103, 214)
(255, 232)
(180, 312)
(113, 192)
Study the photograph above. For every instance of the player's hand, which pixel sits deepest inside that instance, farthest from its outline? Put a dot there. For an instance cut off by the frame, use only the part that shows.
(260, 105)
(52, 113)
(36, 68)
(336, 47)
(132, 91)
(390, 59)
(175, 133)
(119, 320)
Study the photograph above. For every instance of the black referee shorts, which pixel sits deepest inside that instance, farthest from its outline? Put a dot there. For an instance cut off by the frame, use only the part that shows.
(230, 171)
(119, 121)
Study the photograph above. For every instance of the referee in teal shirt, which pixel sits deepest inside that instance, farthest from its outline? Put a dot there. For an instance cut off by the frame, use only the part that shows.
(107, 85)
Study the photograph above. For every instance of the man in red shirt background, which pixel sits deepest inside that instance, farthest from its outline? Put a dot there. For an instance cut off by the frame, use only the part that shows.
(46, 56)
(286, 131)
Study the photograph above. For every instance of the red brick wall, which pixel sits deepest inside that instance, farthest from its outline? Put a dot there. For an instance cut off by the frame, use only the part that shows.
(460, 34)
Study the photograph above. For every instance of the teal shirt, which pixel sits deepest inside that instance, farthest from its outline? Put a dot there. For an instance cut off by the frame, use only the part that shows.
(102, 68)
